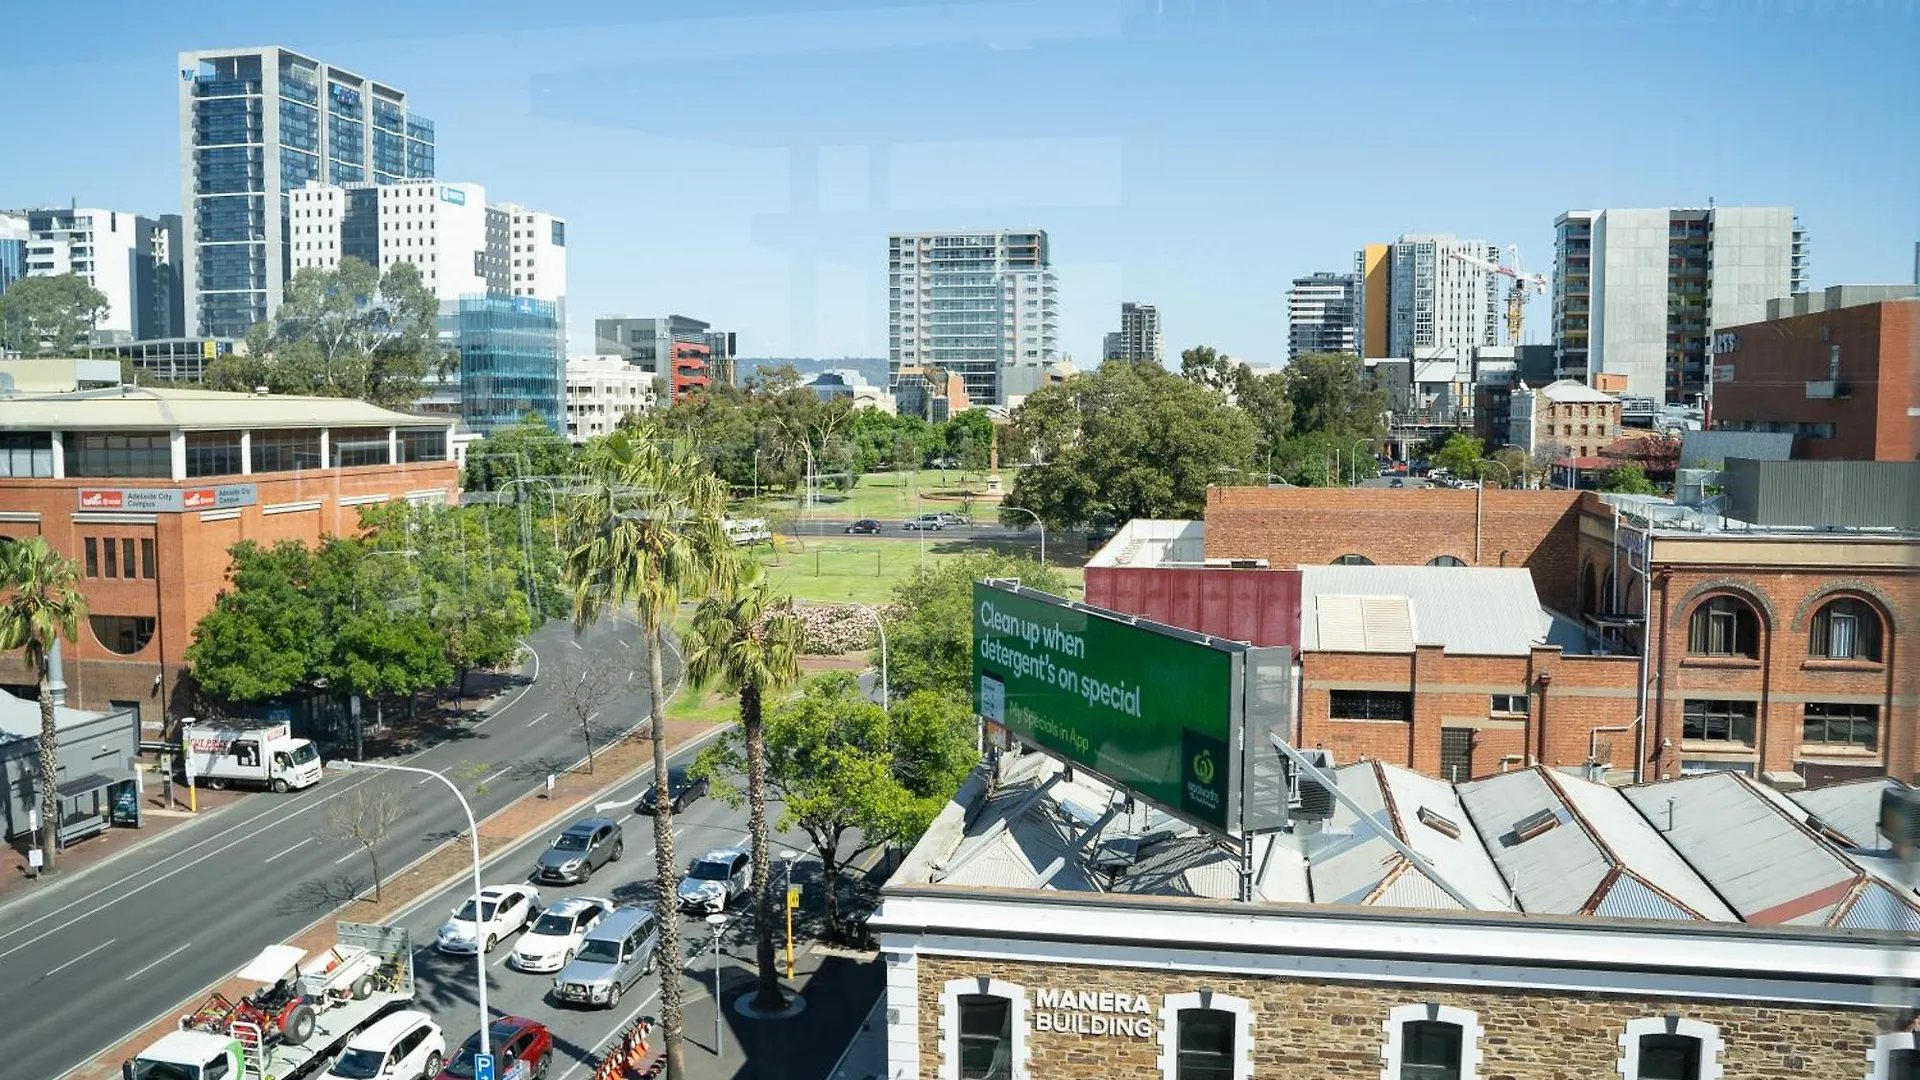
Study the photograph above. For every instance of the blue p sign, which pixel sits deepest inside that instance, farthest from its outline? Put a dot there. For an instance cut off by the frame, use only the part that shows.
(483, 1067)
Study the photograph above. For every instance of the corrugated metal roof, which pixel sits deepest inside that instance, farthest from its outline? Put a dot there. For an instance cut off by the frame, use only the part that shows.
(1630, 898)
(146, 408)
(1557, 871)
(1348, 863)
(1637, 845)
(1476, 611)
(1853, 810)
(1712, 449)
(1878, 907)
(20, 718)
(1769, 869)
(1574, 390)
(1376, 624)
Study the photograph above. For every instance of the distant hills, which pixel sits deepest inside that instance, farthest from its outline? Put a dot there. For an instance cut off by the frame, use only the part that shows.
(872, 368)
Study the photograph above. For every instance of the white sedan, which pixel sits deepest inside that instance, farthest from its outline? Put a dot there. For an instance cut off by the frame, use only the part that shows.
(504, 910)
(555, 937)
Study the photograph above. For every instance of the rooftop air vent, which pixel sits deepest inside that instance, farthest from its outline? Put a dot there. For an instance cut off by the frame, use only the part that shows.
(1441, 824)
(1534, 824)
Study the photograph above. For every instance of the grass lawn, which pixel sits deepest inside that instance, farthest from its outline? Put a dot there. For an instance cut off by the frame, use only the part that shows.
(861, 571)
(891, 494)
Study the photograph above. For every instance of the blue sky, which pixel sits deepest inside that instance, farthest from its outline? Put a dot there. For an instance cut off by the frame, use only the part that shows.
(743, 161)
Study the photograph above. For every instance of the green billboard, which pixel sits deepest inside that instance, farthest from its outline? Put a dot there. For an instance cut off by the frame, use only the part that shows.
(1150, 709)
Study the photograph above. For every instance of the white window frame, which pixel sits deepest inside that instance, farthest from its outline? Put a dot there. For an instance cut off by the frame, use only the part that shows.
(1240, 1007)
(1401, 1015)
(950, 993)
(1881, 1056)
(1709, 1036)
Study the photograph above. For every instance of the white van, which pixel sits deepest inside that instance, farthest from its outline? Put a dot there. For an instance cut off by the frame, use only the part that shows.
(263, 756)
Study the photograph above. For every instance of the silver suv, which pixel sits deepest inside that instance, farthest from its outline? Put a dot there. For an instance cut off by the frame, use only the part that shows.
(619, 951)
(586, 846)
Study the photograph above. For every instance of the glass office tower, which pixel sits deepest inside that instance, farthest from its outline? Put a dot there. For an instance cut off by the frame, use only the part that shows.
(254, 125)
(511, 360)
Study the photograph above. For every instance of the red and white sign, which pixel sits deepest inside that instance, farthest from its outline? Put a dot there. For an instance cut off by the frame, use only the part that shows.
(95, 499)
(199, 499)
(168, 500)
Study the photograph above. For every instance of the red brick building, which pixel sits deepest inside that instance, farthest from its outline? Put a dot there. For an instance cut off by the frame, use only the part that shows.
(1845, 379)
(148, 489)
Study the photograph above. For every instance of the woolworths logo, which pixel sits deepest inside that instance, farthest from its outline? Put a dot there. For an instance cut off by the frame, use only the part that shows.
(1204, 788)
(1203, 766)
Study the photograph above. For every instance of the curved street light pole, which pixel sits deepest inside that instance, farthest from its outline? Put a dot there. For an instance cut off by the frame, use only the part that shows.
(886, 698)
(1036, 521)
(1353, 462)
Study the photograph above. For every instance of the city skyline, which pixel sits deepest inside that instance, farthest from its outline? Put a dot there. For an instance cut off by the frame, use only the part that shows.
(788, 256)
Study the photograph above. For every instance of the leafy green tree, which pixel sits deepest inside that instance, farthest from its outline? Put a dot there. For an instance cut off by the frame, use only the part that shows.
(1130, 440)
(378, 639)
(930, 621)
(1459, 455)
(44, 605)
(1213, 370)
(749, 641)
(848, 773)
(1267, 402)
(259, 640)
(528, 448)
(1516, 461)
(969, 438)
(50, 316)
(1628, 478)
(646, 532)
(347, 331)
(1332, 392)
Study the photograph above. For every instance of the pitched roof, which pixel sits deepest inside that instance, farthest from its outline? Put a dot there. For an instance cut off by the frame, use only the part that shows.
(1350, 863)
(1475, 611)
(147, 408)
(1565, 390)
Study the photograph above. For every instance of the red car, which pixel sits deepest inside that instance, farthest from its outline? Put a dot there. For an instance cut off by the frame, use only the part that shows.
(522, 1050)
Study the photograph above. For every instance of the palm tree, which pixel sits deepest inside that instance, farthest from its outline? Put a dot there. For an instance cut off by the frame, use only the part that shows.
(46, 606)
(646, 532)
(750, 641)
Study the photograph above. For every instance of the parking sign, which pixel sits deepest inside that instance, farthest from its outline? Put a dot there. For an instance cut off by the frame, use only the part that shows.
(483, 1067)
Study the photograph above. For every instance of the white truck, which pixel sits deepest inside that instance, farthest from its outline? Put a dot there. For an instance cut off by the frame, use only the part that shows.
(267, 756)
(295, 1024)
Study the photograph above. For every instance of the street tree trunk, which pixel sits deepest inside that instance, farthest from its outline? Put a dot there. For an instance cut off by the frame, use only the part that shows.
(49, 772)
(767, 994)
(666, 871)
(586, 732)
(829, 846)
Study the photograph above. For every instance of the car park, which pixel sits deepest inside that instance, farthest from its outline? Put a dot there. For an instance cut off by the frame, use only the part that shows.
(406, 1045)
(865, 526)
(586, 846)
(504, 910)
(715, 880)
(556, 935)
(522, 1050)
(682, 789)
(614, 955)
(923, 523)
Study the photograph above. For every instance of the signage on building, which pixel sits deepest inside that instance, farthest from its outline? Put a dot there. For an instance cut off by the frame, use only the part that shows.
(1089, 1012)
(1725, 343)
(169, 500)
(453, 195)
(1151, 708)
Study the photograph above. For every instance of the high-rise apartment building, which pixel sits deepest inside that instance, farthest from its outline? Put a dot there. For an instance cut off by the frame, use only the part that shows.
(133, 261)
(1374, 302)
(255, 125)
(1323, 314)
(13, 249)
(1640, 293)
(1138, 337)
(537, 248)
(980, 305)
(1439, 301)
(447, 230)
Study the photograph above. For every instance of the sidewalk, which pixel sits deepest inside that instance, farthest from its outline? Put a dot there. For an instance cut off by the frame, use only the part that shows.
(156, 820)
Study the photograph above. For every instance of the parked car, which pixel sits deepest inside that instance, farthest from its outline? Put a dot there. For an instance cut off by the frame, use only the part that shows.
(617, 953)
(406, 1045)
(504, 910)
(555, 936)
(865, 526)
(1397, 482)
(522, 1050)
(715, 880)
(586, 846)
(681, 790)
(923, 523)
(950, 517)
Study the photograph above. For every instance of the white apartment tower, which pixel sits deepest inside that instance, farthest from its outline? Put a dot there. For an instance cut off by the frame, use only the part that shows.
(1323, 314)
(1439, 301)
(1138, 337)
(982, 305)
(133, 261)
(537, 243)
(1641, 293)
(601, 390)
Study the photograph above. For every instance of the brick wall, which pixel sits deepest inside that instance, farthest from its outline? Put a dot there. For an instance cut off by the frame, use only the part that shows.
(1309, 1030)
(1402, 526)
(1876, 346)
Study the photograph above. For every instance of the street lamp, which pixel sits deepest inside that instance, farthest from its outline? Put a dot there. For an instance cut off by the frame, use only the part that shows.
(1036, 521)
(473, 836)
(787, 858)
(885, 698)
(1353, 462)
(717, 920)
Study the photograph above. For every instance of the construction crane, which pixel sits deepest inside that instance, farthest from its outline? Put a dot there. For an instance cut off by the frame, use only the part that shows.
(1522, 283)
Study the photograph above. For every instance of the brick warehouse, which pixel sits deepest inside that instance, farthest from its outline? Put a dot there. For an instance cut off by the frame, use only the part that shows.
(1028, 937)
(148, 489)
(1744, 619)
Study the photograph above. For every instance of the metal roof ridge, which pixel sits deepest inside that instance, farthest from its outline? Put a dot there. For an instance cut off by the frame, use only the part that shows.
(1859, 892)
(1387, 801)
(1754, 791)
(1614, 861)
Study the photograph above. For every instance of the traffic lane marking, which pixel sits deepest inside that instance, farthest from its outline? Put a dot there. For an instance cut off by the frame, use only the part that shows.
(81, 957)
(158, 962)
(296, 846)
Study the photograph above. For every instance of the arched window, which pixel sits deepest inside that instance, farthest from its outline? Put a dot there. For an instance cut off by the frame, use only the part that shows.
(1606, 592)
(1724, 626)
(1845, 629)
(1445, 560)
(1431, 1042)
(123, 634)
(983, 1030)
(1353, 560)
(1206, 1036)
(1670, 1048)
(1894, 1057)
(1589, 602)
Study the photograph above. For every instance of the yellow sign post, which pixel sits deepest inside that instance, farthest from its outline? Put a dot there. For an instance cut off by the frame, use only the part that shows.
(793, 901)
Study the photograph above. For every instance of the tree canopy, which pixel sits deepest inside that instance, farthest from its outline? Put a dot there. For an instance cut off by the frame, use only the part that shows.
(528, 448)
(1628, 478)
(348, 331)
(930, 621)
(50, 316)
(1459, 455)
(1128, 440)
(1332, 392)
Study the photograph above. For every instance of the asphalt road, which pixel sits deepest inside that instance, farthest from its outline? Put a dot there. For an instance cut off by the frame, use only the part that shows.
(891, 529)
(91, 960)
